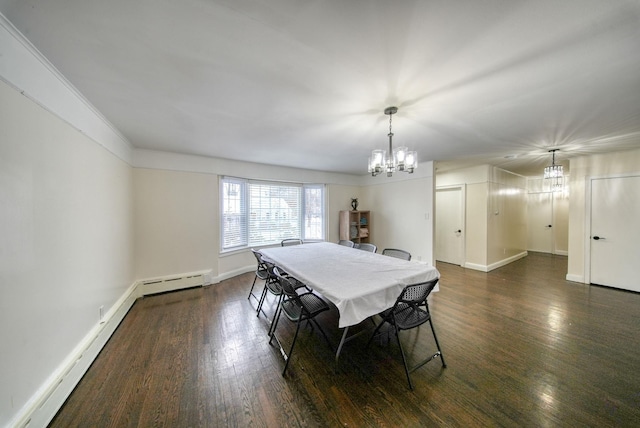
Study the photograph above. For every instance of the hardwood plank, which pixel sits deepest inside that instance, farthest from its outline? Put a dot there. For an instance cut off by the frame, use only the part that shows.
(523, 347)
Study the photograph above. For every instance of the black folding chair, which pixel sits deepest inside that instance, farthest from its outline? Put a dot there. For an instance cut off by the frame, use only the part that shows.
(261, 272)
(367, 247)
(273, 286)
(410, 311)
(297, 308)
(398, 254)
(291, 241)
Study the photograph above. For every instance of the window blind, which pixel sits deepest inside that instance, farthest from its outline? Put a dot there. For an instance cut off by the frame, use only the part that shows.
(256, 213)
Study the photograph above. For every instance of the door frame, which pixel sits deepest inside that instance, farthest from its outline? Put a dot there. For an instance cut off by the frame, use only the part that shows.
(463, 204)
(587, 221)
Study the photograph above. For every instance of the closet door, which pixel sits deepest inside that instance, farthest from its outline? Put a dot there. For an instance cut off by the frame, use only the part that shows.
(615, 232)
(449, 225)
(540, 219)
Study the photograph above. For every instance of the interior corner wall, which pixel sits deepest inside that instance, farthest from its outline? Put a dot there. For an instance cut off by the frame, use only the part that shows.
(507, 217)
(177, 211)
(402, 212)
(476, 225)
(582, 169)
(495, 214)
(66, 248)
(339, 199)
(176, 222)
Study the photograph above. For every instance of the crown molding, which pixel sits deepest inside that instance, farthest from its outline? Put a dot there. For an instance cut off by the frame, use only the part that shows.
(26, 69)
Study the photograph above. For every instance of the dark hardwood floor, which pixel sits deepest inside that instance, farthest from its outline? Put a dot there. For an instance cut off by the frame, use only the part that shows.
(523, 347)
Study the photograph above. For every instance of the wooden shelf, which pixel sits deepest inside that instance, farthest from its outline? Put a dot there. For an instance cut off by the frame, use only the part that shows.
(355, 226)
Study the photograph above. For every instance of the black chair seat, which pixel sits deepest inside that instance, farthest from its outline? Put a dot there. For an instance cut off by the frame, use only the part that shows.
(407, 317)
(312, 303)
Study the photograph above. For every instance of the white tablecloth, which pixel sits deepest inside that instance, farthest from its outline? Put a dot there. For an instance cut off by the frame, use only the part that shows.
(359, 283)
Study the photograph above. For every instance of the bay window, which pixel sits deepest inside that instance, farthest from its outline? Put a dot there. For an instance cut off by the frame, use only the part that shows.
(257, 213)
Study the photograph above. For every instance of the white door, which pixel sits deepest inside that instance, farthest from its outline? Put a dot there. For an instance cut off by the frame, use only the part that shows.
(449, 225)
(540, 222)
(615, 232)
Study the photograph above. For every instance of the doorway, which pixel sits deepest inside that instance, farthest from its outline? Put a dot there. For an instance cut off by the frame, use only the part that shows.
(450, 207)
(548, 222)
(614, 232)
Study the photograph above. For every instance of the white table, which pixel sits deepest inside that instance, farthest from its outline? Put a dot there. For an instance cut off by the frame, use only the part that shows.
(359, 283)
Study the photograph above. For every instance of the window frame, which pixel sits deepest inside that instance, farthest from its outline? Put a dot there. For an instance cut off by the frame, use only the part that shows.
(245, 216)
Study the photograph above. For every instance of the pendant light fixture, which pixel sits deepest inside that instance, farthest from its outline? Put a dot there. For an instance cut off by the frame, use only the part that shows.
(400, 159)
(554, 172)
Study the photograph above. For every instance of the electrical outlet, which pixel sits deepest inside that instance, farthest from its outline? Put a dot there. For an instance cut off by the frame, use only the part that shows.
(101, 313)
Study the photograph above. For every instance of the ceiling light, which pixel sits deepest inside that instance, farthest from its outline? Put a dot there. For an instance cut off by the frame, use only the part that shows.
(554, 172)
(400, 159)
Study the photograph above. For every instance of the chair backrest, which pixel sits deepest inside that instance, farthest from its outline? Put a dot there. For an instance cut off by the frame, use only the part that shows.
(415, 295)
(292, 241)
(367, 247)
(287, 288)
(398, 254)
(346, 243)
(272, 279)
(261, 263)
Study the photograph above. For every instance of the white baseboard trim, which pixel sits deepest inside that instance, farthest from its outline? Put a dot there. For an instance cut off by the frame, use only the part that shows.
(500, 263)
(575, 278)
(475, 266)
(508, 260)
(235, 272)
(46, 402)
(562, 253)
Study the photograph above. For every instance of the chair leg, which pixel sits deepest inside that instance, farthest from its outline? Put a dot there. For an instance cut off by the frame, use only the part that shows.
(277, 314)
(404, 359)
(262, 297)
(272, 331)
(252, 285)
(437, 344)
(374, 333)
(295, 337)
(326, 338)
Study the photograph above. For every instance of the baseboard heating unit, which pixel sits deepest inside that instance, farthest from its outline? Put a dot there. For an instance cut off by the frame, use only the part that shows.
(172, 283)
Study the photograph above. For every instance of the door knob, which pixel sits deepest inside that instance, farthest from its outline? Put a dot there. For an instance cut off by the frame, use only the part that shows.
(549, 225)
(597, 238)
(458, 231)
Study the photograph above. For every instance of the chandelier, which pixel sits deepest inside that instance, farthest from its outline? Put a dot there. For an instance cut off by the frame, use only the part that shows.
(554, 172)
(400, 159)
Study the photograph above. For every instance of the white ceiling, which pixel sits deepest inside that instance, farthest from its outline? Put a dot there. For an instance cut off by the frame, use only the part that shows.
(304, 82)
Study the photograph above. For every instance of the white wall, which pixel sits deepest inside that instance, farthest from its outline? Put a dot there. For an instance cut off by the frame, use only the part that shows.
(176, 222)
(169, 185)
(191, 182)
(495, 214)
(66, 247)
(507, 215)
(339, 199)
(582, 169)
(402, 213)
